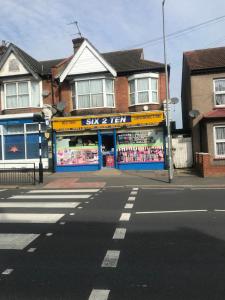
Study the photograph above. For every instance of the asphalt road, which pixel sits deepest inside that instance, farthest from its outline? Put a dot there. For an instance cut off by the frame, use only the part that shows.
(112, 244)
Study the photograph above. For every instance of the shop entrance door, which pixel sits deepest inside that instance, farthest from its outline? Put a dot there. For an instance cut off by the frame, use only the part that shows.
(108, 149)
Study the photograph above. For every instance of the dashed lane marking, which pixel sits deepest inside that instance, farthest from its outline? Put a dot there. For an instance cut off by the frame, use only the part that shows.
(135, 189)
(128, 205)
(49, 234)
(31, 250)
(125, 217)
(119, 234)
(63, 191)
(111, 259)
(171, 211)
(131, 198)
(134, 193)
(7, 272)
(99, 295)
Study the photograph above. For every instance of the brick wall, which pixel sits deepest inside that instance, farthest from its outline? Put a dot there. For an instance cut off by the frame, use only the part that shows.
(205, 167)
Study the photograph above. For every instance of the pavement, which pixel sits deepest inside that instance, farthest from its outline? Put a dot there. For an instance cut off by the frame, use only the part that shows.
(116, 178)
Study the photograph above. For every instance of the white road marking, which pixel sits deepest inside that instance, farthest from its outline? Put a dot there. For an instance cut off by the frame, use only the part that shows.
(7, 272)
(133, 193)
(135, 189)
(125, 217)
(40, 204)
(62, 223)
(219, 210)
(16, 241)
(207, 188)
(80, 207)
(50, 196)
(129, 205)
(72, 214)
(2, 190)
(111, 259)
(86, 202)
(29, 218)
(49, 234)
(131, 198)
(31, 250)
(171, 211)
(99, 295)
(63, 191)
(119, 234)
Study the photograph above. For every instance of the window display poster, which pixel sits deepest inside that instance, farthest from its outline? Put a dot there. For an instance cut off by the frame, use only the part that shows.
(81, 150)
(140, 146)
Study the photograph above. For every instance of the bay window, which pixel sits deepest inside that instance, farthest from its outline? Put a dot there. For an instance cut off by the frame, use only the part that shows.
(93, 93)
(22, 94)
(143, 89)
(219, 139)
(219, 92)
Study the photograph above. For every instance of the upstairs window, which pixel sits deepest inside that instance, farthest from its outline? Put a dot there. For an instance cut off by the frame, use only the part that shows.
(22, 94)
(219, 138)
(143, 89)
(93, 93)
(219, 92)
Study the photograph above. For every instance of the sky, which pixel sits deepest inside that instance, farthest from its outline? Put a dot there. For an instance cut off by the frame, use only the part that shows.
(40, 28)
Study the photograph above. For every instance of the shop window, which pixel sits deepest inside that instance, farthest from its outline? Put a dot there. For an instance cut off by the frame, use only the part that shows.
(219, 138)
(22, 94)
(93, 93)
(21, 141)
(143, 90)
(140, 146)
(77, 150)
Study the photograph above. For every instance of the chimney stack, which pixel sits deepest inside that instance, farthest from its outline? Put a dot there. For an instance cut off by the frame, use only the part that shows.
(3, 47)
(76, 43)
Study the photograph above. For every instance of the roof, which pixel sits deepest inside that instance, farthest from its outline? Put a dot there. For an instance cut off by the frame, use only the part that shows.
(130, 60)
(210, 58)
(216, 113)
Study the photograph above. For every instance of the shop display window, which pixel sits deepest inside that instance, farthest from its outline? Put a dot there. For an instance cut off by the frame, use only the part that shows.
(140, 146)
(77, 150)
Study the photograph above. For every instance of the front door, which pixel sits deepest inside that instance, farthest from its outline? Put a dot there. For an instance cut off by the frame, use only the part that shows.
(108, 150)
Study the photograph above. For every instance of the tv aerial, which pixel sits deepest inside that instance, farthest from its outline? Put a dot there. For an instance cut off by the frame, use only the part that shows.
(75, 23)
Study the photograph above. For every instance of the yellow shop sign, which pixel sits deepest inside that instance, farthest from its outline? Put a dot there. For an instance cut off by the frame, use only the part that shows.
(108, 121)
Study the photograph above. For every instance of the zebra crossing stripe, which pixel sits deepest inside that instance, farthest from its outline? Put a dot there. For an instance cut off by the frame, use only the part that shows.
(63, 191)
(50, 196)
(16, 241)
(39, 204)
(29, 218)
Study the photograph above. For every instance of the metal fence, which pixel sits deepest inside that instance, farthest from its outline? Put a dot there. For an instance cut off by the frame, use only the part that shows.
(18, 173)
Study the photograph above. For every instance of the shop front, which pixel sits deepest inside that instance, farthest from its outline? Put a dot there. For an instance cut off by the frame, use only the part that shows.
(129, 141)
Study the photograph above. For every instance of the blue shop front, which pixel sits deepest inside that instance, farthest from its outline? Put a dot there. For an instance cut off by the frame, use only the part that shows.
(128, 141)
(19, 140)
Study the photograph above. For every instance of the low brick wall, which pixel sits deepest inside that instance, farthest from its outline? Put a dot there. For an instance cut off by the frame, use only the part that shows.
(205, 168)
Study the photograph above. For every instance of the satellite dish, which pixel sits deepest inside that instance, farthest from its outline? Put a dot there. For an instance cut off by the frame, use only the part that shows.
(174, 100)
(145, 107)
(194, 113)
(61, 106)
(47, 111)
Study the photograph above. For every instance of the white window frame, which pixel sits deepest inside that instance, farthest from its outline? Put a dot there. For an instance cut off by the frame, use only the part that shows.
(25, 133)
(3, 92)
(217, 141)
(75, 98)
(217, 93)
(148, 76)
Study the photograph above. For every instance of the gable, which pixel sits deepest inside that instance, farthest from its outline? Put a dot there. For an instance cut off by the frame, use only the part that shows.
(86, 60)
(87, 63)
(13, 66)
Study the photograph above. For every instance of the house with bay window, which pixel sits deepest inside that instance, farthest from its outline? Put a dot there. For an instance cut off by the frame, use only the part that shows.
(115, 112)
(203, 105)
(22, 82)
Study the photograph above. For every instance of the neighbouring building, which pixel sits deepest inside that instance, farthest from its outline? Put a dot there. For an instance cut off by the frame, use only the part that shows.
(116, 114)
(203, 106)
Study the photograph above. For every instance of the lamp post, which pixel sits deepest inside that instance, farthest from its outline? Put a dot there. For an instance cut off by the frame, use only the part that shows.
(170, 160)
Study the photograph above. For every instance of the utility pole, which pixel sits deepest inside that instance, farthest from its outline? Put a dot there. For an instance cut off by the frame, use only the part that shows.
(169, 140)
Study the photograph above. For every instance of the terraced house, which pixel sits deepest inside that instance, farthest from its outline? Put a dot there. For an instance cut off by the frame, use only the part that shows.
(112, 108)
